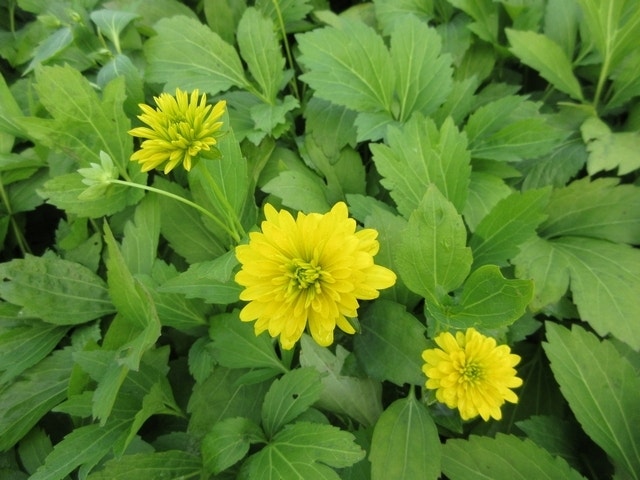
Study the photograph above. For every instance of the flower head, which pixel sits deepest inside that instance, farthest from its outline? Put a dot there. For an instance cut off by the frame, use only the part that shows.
(179, 130)
(308, 272)
(471, 373)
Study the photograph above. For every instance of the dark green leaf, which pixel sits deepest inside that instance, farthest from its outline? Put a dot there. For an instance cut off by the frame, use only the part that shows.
(602, 390)
(172, 464)
(228, 442)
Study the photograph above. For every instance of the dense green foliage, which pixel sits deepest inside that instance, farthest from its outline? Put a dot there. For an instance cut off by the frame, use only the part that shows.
(494, 145)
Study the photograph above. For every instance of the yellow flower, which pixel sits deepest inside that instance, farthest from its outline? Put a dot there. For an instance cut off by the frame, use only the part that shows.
(180, 129)
(308, 271)
(470, 373)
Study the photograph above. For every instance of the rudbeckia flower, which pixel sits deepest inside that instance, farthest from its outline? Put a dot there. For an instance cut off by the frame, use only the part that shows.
(180, 130)
(308, 273)
(471, 373)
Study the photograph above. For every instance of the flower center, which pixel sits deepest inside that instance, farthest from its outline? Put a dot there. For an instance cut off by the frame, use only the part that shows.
(471, 373)
(304, 274)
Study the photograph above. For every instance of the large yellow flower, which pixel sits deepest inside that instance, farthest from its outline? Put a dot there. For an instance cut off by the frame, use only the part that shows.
(470, 373)
(178, 131)
(311, 270)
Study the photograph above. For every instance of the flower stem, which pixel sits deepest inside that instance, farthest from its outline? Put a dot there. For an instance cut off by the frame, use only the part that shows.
(287, 49)
(173, 196)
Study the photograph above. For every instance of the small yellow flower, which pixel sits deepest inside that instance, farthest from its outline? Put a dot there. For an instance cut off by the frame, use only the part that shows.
(470, 373)
(308, 271)
(178, 131)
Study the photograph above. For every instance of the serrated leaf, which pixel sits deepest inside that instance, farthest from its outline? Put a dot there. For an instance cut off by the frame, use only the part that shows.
(423, 73)
(331, 125)
(433, 258)
(272, 119)
(186, 54)
(235, 344)
(486, 16)
(291, 11)
(608, 150)
(201, 361)
(34, 448)
(228, 442)
(602, 390)
(626, 81)
(25, 345)
(289, 396)
(10, 111)
(598, 208)
(556, 435)
(348, 66)
(84, 446)
(172, 464)
(304, 450)
(391, 350)
(510, 223)
(405, 443)
(390, 11)
(605, 284)
(505, 456)
(260, 49)
(420, 155)
(24, 402)
(488, 300)
(54, 290)
(544, 55)
(359, 398)
(83, 123)
(51, 45)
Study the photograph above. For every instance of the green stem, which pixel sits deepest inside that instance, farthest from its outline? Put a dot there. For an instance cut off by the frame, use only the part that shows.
(604, 72)
(17, 232)
(202, 210)
(230, 213)
(287, 49)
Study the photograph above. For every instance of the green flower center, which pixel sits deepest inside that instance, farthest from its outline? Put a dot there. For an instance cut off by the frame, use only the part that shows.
(304, 274)
(471, 372)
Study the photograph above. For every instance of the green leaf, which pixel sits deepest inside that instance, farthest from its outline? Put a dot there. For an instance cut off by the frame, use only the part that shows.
(602, 390)
(420, 155)
(228, 442)
(260, 48)
(541, 262)
(605, 284)
(544, 55)
(34, 448)
(485, 191)
(54, 290)
(213, 281)
(608, 150)
(63, 191)
(291, 11)
(561, 22)
(511, 129)
(112, 22)
(289, 396)
(186, 54)
(300, 190)
(359, 398)
(272, 119)
(223, 395)
(612, 27)
(141, 236)
(83, 123)
(598, 209)
(388, 12)
(626, 81)
(25, 344)
(48, 48)
(423, 74)
(489, 300)
(304, 450)
(10, 111)
(391, 344)
(331, 125)
(405, 443)
(25, 401)
(349, 66)
(433, 258)
(172, 464)
(555, 435)
(505, 456)
(183, 228)
(235, 344)
(85, 446)
(510, 223)
(486, 16)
